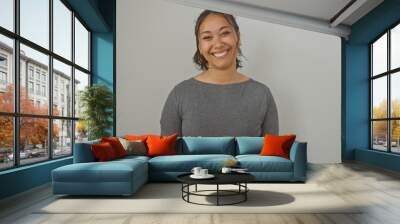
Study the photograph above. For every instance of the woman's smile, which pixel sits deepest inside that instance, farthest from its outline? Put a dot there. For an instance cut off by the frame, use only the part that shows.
(220, 54)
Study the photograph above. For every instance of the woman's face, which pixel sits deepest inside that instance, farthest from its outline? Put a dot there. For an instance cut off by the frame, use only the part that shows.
(218, 42)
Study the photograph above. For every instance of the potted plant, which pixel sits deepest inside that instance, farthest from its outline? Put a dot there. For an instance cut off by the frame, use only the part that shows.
(96, 102)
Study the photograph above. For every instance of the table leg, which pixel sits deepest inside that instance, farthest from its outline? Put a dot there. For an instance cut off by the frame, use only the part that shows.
(245, 193)
(188, 190)
(196, 188)
(217, 194)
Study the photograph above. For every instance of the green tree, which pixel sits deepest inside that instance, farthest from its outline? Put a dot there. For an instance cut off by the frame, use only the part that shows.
(97, 104)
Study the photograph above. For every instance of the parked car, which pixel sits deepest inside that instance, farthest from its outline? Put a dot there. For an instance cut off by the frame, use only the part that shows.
(22, 155)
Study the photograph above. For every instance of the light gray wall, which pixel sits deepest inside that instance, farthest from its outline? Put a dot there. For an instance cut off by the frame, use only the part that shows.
(155, 45)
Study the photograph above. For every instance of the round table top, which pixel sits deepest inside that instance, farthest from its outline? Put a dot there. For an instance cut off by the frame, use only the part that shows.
(220, 178)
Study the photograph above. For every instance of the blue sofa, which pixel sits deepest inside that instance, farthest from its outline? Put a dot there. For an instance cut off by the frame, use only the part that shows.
(125, 176)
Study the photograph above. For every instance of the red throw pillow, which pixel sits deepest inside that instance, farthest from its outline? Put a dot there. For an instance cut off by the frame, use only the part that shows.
(161, 145)
(277, 145)
(116, 145)
(103, 151)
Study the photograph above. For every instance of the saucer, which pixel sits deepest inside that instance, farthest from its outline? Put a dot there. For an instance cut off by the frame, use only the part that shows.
(208, 176)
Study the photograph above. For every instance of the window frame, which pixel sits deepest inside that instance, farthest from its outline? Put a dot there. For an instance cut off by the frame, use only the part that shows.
(16, 114)
(388, 74)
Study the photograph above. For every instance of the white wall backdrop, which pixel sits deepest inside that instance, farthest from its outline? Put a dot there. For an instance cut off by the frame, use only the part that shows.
(155, 45)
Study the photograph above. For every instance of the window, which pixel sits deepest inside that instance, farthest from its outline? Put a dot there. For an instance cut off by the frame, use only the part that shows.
(30, 72)
(385, 91)
(7, 14)
(38, 74)
(3, 72)
(62, 29)
(30, 87)
(35, 21)
(62, 74)
(81, 45)
(43, 90)
(38, 89)
(55, 127)
(3, 78)
(3, 61)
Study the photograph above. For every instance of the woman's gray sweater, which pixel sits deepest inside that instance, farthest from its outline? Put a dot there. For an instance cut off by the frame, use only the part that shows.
(196, 108)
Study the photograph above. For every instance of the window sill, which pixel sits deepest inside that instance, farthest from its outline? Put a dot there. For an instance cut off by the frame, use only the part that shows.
(26, 167)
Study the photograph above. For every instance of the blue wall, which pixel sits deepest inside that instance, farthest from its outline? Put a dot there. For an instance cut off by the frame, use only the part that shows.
(103, 51)
(99, 15)
(24, 178)
(356, 87)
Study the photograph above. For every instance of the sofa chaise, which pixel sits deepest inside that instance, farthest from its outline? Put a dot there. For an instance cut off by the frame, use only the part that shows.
(125, 176)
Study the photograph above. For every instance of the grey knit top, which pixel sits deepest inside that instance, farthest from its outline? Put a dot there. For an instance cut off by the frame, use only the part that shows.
(196, 108)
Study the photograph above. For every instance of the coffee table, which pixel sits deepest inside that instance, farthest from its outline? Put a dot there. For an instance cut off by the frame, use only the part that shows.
(238, 179)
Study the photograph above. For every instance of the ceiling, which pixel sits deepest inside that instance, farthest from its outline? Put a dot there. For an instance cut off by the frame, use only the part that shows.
(333, 17)
(318, 9)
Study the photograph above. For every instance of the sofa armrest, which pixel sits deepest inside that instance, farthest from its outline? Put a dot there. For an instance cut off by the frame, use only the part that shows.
(83, 152)
(298, 155)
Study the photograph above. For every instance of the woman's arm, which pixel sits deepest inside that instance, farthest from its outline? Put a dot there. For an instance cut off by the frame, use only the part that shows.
(271, 121)
(171, 121)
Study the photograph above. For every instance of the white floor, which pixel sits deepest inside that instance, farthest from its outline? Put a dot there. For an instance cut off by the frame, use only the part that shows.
(378, 189)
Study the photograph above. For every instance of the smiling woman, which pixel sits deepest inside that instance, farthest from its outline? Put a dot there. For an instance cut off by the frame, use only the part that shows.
(219, 101)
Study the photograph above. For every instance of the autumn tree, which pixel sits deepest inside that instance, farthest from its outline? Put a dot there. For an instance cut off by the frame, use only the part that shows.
(380, 127)
(33, 131)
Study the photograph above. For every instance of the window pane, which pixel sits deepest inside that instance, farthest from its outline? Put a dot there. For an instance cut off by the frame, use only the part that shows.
(81, 131)
(7, 14)
(62, 29)
(62, 138)
(379, 100)
(395, 47)
(33, 139)
(81, 45)
(395, 94)
(379, 135)
(6, 74)
(62, 89)
(395, 136)
(35, 21)
(81, 81)
(34, 78)
(379, 55)
(6, 142)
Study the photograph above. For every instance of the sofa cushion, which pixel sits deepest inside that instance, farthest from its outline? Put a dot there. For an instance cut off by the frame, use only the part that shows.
(185, 163)
(134, 147)
(277, 145)
(249, 145)
(111, 171)
(116, 145)
(207, 145)
(103, 152)
(257, 163)
(161, 145)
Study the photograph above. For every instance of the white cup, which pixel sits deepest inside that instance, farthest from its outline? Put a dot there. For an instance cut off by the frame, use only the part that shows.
(203, 172)
(226, 170)
(196, 171)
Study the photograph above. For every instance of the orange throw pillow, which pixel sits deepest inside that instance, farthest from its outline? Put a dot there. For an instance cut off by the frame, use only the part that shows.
(103, 152)
(116, 145)
(136, 137)
(161, 145)
(277, 145)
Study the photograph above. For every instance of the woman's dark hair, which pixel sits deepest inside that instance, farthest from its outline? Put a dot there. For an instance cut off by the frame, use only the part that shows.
(199, 59)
